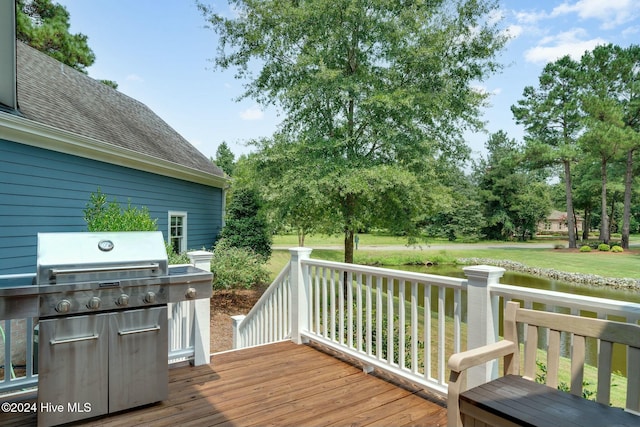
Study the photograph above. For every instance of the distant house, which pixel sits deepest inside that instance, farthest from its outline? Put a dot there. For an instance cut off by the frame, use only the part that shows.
(64, 134)
(556, 222)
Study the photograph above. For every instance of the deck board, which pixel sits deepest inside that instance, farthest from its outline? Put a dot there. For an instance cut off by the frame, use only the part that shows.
(280, 384)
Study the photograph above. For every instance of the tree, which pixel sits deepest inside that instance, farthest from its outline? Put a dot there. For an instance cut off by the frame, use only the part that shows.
(294, 201)
(44, 25)
(552, 118)
(463, 216)
(610, 84)
(630, 100)
(225, 159)
(245, 225)
(374, 93)
(514, 200)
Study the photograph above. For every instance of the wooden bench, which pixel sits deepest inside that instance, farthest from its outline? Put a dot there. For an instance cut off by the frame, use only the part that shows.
(500, 402)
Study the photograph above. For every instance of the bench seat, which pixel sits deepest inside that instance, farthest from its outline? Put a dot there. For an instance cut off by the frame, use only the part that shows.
(516, 400)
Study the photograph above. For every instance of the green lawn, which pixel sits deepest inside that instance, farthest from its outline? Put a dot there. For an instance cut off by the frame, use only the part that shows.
(607, 264)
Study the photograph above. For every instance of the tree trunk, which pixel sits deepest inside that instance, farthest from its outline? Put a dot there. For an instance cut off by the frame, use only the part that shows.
(613, 215)
(570, 218)
(604, 221)
(349, 228)
(626, 212)
(348, 246)
(300, 237)
(586, 221)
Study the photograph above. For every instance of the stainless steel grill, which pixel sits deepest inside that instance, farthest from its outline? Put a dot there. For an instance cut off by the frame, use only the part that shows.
(102, 300)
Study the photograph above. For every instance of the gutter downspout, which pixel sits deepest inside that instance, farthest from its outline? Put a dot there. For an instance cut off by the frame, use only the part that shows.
(8, 74)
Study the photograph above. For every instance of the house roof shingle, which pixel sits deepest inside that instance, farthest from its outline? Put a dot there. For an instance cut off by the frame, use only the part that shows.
(57, 95)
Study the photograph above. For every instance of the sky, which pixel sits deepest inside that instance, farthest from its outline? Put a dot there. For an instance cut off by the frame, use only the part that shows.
(160, 53)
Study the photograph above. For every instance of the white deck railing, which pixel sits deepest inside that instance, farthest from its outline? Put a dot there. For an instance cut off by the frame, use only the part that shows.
(404, 323)
(189, 336)
(388, 319)
(270, 319)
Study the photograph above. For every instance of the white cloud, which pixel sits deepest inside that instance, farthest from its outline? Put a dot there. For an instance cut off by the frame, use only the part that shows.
(570, 43)
(630, 31)
(612, 13)
(530, 17)
(483, 90)
(514, 31)
(134, 78)
(253, 113)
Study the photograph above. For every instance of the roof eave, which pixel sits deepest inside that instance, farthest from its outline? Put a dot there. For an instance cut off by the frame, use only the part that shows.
(25, 131)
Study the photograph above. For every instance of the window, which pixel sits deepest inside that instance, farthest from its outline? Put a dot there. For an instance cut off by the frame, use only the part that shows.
(178, 231)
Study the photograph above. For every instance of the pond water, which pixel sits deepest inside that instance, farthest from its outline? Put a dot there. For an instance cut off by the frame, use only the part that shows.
(527, 280)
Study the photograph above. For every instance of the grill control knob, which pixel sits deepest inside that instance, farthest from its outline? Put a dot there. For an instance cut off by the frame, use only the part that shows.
(94, 303)
(63, 306)
(150, 297)
(191, 293)
(122, 300)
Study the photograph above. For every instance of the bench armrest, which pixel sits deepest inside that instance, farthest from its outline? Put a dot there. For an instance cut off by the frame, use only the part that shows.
(462, 361)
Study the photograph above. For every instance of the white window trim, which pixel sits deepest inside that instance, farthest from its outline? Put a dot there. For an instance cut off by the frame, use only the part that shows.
(183, 214)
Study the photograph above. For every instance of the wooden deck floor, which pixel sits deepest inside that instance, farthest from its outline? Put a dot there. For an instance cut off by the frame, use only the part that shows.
(281, 384)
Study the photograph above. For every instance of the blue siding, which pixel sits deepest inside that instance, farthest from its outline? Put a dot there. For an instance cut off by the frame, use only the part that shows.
(45, 191)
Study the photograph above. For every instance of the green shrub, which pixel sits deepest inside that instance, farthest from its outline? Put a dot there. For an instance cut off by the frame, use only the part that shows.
(176, 258)
(603, 247)
(585, 248)
(237, 268)
(595, 244)
(558, 246)
(617, 248)
(246, 225)
(101, 215)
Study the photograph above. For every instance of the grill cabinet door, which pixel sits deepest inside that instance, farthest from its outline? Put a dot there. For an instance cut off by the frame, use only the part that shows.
(138, 358)
(72, 369)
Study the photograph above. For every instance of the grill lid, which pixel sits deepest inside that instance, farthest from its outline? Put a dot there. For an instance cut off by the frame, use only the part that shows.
(75, 257)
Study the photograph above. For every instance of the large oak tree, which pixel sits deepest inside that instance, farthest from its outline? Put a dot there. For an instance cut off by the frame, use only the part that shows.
(374, 94)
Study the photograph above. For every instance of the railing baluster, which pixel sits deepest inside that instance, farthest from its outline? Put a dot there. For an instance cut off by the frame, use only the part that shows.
(457, 320)
(369, 337)
(402, 330)
(359, 312)
(325, 303)
(379, 310)
(414, 327)
(341, 297)
(349, 284)
(390, 322)
(441, 335)
(427, 332)
(333, 291)
(7, 350)
(316, 289)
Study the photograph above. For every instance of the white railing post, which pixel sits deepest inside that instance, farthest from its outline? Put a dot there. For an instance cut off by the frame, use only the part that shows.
(237, 339)
(300, 294)
(482, 317)
(202, 318)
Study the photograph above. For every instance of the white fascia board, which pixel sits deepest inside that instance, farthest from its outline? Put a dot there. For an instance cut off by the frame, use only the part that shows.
(18, 129)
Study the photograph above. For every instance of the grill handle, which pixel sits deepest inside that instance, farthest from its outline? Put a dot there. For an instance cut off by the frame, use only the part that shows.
(71, 340)
(57, 271)
(139, 331)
